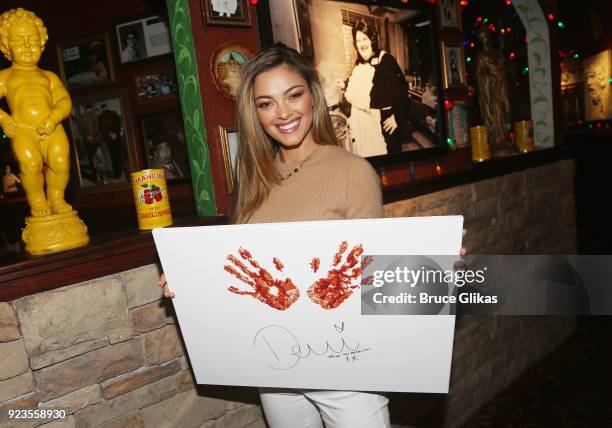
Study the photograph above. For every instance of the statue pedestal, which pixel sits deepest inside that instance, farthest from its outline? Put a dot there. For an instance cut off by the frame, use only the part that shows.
(54, 233)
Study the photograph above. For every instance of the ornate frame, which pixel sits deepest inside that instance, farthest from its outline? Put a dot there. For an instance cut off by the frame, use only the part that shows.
(215, 61)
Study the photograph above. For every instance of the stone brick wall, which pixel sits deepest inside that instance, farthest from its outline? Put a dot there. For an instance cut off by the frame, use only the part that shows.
(527, 212)
(110, 353)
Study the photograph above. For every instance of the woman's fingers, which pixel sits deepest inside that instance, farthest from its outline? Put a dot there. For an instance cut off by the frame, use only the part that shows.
(167, 293)
(163, 283)
(464, 249)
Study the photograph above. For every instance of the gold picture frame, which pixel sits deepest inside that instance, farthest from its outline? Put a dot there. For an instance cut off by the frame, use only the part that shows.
(229, 147)
(453, 65)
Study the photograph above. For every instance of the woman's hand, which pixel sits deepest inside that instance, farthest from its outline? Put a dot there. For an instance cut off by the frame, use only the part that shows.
(460, 264)
(390, 125)
(464, 249)
(163, 283)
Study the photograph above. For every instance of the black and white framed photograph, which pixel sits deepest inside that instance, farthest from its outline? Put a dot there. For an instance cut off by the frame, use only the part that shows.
(226, 13)
(229, 146)
(142, 39)
(102, 140)
(454, 69)
(450, 14)
(86, 62)
(380, 70)
(156, 85)
(165, 143)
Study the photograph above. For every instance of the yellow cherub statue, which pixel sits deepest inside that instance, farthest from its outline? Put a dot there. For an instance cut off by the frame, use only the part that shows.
(38, 102)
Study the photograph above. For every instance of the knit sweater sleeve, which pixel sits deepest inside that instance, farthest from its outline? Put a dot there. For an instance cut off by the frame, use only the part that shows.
(363, 193)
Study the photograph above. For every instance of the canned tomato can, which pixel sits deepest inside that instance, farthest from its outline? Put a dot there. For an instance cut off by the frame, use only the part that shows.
(524, 135)
(480, 144)
(151, 199)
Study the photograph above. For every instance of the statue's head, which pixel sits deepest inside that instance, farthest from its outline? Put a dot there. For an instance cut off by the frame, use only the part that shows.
(22, 36)
(484, 36)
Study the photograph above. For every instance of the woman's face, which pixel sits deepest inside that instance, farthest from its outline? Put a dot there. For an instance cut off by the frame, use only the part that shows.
(364, 45)
(284, 106)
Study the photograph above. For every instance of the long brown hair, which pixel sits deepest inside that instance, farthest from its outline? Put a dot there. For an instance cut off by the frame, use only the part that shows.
(255, 170)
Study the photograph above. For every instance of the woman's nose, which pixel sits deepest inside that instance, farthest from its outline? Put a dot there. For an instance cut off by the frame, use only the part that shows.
(283, 110)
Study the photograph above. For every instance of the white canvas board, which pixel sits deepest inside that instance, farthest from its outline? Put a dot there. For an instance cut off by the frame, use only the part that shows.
(236, 339)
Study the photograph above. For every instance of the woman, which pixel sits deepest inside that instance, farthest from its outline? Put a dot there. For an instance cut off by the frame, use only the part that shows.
(364, 121)
(289, 168)
(388, 92)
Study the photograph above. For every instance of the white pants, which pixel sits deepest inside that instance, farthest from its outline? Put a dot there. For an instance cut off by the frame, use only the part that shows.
(292, 408)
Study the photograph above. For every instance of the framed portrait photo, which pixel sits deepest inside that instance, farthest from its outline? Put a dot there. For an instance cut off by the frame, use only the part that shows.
(380, 70)
(156, 85)
(453, 65)
(597, 90)
(86, 62)
(229, 146)
(165, 143)
(225, 65)
(226, 13)
(142, 39)
(450, 14)
(103, 143)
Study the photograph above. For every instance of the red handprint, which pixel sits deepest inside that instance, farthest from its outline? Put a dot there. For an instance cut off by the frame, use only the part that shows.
(279, 294)
(330, 292)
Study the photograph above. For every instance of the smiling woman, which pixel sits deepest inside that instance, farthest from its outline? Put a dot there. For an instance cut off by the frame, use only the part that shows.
(288, 143)
(290, 168)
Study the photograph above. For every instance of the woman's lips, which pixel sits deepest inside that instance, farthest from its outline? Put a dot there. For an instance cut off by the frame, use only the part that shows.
(289, 127)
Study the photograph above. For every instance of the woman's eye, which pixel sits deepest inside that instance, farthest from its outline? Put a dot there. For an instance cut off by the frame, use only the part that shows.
(295, 95)
(264, 105)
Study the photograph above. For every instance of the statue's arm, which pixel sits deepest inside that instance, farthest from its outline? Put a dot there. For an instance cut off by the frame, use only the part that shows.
(3, 114)
(7, 123)
(62, 104)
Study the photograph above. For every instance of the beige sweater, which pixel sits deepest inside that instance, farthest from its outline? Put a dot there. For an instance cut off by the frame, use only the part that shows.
(332, 184)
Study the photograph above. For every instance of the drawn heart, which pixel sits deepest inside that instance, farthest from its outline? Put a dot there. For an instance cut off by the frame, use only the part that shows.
(339, 329)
